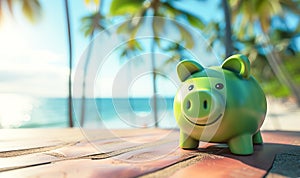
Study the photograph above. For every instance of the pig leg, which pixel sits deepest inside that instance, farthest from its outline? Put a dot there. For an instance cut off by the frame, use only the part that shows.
(187, 142)
(257, 139)
(241, 145)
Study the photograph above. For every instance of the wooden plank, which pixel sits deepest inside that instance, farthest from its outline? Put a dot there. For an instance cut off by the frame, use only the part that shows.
(22, 139)
(147, 153)
(102, 147)
(129, 164)
(255, 165)
(219, 167)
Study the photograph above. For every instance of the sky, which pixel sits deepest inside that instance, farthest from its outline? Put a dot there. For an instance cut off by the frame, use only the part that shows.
(32, 55)
(34, 58)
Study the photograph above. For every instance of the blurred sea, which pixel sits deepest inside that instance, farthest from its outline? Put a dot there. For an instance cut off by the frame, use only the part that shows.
(26, 112)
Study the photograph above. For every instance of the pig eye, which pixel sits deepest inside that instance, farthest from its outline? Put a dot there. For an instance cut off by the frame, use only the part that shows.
(219, 86)
(191, 87)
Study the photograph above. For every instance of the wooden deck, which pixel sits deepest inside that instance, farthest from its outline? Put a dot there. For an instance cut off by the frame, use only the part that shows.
(139, 152)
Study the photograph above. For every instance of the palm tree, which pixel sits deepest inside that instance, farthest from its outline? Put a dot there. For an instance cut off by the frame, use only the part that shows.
(70, 103)
(90, 24)
(228, 33)
(258, 46)
(141, 8)
(30, 8)
(263, 12)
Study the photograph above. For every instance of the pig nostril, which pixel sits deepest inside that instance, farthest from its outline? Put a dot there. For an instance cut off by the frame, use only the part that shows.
(188, 104)
(205, 104)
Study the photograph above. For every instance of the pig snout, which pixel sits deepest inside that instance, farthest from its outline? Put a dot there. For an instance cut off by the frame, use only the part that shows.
(202, 107)
(197, 104)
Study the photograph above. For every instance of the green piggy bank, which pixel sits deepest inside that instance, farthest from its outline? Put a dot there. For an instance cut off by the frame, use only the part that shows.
(222, 104)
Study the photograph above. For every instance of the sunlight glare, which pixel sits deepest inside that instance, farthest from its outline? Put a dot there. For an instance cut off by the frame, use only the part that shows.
(14, 110)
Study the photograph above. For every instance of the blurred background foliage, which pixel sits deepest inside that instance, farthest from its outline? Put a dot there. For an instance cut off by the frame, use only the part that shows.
(264, 30)
(269, 27)
(260, 29)
(30, 8)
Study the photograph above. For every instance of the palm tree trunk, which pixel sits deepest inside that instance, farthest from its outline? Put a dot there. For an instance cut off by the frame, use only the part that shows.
(154, 104)
(70, 104)
(83, 96)
(155, 5)
(228, 32)
(87, 61)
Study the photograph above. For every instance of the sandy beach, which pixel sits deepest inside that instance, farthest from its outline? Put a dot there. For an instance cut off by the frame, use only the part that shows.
(282, 115)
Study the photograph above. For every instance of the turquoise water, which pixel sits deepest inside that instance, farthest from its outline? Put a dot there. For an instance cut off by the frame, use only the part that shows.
(25, 112)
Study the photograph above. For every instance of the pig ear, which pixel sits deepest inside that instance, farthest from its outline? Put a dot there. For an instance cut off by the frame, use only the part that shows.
(186, 68)
(239, 64)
